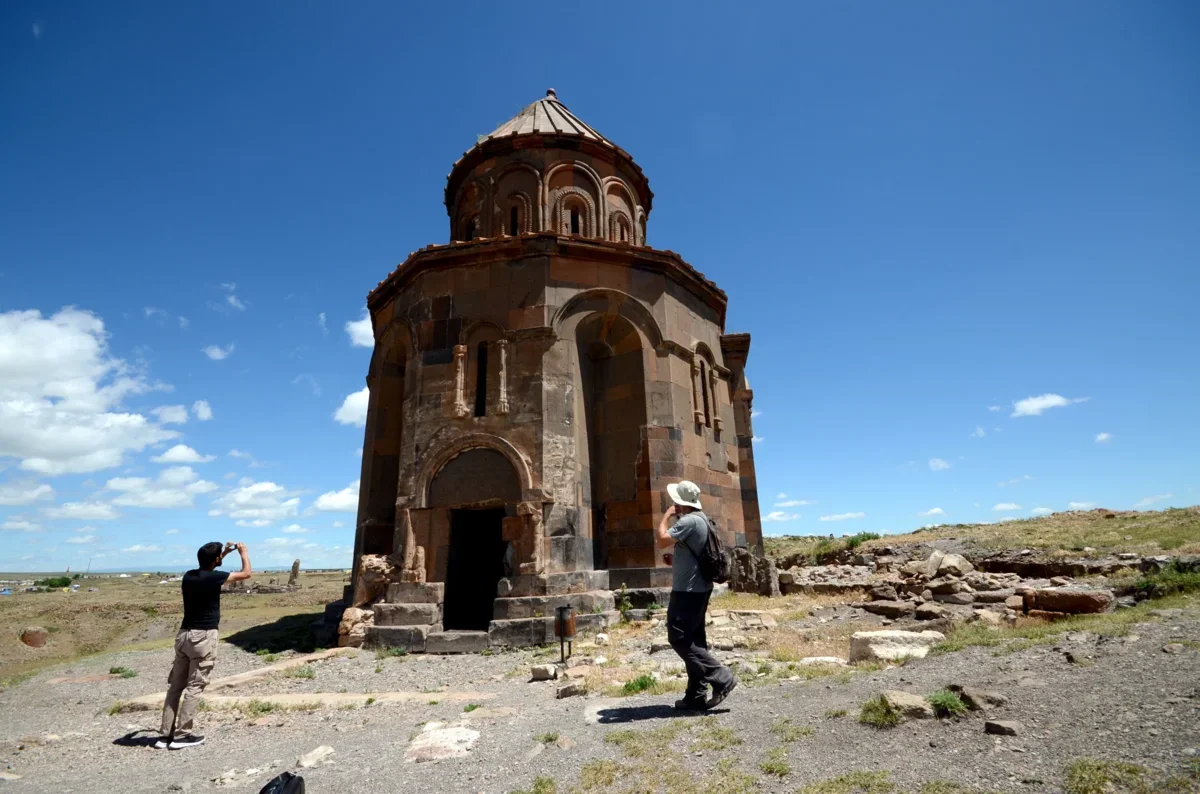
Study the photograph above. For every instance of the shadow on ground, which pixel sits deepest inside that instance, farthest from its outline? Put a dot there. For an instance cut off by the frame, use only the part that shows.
(655, 712)
(290, 633)
(140, 738)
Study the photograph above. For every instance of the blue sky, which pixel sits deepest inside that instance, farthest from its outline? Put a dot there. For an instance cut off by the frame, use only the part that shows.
(926, 214)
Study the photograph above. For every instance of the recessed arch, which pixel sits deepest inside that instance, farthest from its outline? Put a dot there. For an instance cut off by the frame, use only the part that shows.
(610, 301)
(457, 446)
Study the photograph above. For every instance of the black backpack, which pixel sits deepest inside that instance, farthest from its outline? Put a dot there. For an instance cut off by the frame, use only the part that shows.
(287, 783)
(714, 562)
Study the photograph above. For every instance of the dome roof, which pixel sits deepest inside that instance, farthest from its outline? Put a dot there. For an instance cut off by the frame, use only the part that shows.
(547, 116)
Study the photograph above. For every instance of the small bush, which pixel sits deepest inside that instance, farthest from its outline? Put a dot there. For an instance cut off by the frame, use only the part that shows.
(947, 704)
(379, 668)
(384, 653)
(124, 672)
(1173, 581)
(256, 707)
(716, 737)
(369, 701)
(303, 671)
(878, 713)
(856, 540)
(54, 582)
(833, 714)
(541, 785)
(548, 738)
(433, 703)
(776, 763)
(470, 707)
(787, 732)
(598, 775)
(639, 684)
(1090, 776)
(853, 783)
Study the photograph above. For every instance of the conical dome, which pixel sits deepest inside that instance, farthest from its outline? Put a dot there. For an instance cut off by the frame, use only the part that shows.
(546, 116)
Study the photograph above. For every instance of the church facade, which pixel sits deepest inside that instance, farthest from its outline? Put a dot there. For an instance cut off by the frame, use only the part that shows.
(535, 385)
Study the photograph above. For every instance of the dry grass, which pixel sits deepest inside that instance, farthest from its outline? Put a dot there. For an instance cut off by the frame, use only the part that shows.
(1149, 532)
(794, 603)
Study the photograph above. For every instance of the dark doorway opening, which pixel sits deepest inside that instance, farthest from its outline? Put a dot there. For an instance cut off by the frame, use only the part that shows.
(474, 566)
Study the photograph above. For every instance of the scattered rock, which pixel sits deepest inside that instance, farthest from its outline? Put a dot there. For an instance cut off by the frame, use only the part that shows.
(908, 704)
(1166, 614)
(564, 743)
(934, 562)
(932, 612)
(34, 636)
(1060, 581)
(977, 699)
(573, 689)
(989, 618)
(1015, 602)
(437, 742)
(954, 565)
(1173, 647)
(1003, 727)
(353, 628)
(961, 599)
(314, 757)
(543, 672)
(890, 609)
(891, 644)
(1070, 601)
(883, 592)
(820, 661)
(660, 645)
(602, 639)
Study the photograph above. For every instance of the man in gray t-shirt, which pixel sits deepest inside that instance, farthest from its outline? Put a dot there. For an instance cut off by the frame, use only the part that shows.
(690, 591)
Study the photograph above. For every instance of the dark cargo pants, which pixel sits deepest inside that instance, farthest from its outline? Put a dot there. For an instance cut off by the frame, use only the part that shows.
(685, 632)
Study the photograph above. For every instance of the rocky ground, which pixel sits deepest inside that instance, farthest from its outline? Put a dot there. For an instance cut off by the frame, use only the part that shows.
(1127, 690)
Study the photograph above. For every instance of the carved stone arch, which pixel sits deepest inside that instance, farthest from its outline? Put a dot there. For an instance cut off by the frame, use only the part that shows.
(614, 302)
(701, 349)
(565, 198)
(467, 205)
(536, 218)
(705, 394)
(393, 344)
(610, 182)
(452, 449)
(640, 225)
(554, 196)
(616, 221)
(521, 200)
(480, 328)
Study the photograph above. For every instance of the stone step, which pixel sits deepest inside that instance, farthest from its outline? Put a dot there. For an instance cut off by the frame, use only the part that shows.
(544, 606)
(456, 642)
(540, 631)
(406, 614)
(409, 638)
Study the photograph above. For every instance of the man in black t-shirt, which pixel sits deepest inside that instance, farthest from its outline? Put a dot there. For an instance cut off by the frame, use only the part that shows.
(196, 642)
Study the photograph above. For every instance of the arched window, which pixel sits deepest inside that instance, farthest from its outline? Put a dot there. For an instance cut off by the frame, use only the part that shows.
(574, 220)
(470, 231)
(704, 394)
(514, 218)
(624, 232)
(481, 379)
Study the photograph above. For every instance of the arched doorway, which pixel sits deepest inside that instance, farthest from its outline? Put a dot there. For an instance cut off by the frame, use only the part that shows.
(613, 396)
(476, 485)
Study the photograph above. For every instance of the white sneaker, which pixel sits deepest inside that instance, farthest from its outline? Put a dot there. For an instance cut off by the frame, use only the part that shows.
(186, 740)
(161, 744)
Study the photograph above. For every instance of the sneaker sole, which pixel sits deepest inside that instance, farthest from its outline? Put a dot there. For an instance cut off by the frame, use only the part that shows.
(174, 746)
(718, 699)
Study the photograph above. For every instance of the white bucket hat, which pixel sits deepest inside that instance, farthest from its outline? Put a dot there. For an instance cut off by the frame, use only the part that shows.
(685, 493)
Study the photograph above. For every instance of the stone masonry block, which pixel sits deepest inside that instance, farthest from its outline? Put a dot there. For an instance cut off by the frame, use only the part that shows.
(409, 638)
(407, 614)
(416, 593)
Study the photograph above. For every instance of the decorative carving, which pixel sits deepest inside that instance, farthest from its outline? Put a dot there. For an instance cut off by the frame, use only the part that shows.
(564, 197)
(529, 547)
(412, 556)
(460, 363)
(716, 404)
(502, 403)
(698, 413)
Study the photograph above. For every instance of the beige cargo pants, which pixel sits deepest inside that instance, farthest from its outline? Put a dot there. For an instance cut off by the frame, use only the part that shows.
(195, 656)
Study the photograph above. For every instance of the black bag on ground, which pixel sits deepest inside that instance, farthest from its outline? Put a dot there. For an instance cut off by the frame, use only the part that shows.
(287, 783)
(714, 562)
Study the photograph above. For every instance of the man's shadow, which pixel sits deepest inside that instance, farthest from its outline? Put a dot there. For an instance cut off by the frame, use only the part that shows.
(616, 716)
(136, 739)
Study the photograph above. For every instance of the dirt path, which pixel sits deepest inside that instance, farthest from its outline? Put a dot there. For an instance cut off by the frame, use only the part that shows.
(1123, 699)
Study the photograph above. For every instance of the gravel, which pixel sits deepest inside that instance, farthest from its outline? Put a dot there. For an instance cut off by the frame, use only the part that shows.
(1130, 702)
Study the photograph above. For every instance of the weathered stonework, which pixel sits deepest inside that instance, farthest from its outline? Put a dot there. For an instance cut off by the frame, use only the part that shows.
(538, 381)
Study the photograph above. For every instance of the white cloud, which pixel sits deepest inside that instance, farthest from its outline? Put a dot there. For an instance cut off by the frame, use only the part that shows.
(755, 414)
(257, 523)
(138, 548)
(757, 439)
(337, 525)
(353, 410)
(1035, 406)
(1149, 500)
(321, 322)
(175, 487)
(277, 542)
(242, 454)
(781, 495)
(793, 503)
(202, 410)
(172, 414)
(979, 432)
(15, 494)
(779, 515)
(82, 511)
(182, 453)
(295, 529)
(18, 524)
(843, 516)
(218, 353)
(1006, 507)
(150, 311)
(183, 322)
(1014, 481)
(995, 408)
(937, 464)
(308, 379)
(343, 501)
(61, 395)
(82, 540)
(1103, 438)
(1041, 511)
(361, 334)
(935, 511)
(1081, 505)
(171, 532)
(257, 501)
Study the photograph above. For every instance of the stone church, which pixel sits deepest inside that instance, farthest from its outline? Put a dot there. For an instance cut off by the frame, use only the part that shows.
(536, 383)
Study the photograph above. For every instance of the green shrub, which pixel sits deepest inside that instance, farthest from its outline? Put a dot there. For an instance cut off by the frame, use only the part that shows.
(303, 671)
(878, 713)
(640, 684)
(1090, 776)
(548, 738)
(776, 763)
(947, 704)
(124, 672)
(470, 707)
(1173, 581)
(54, 582)
(854, 541)
(833, 714)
